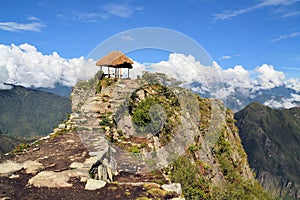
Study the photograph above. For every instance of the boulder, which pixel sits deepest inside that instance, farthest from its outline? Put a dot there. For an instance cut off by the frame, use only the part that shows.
(32, 167)
(93, 184)
(141, 95)
(9, 167)
(173, 187)
(50, 179)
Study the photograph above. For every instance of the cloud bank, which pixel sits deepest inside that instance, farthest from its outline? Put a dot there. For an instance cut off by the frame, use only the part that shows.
(264, 84)
(34, 24)
(24, 65)
(15, 27)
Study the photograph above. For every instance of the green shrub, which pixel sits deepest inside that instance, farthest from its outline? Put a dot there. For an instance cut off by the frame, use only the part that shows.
(193, 148)
(105, 121)
(158, 113)
(134, 149)
(120, 132)
(98, 87)
(20, 147)
(194, 186)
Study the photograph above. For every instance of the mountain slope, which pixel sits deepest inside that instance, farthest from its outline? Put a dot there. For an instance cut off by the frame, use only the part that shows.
(7, 143)
(136, 139)
(271, 139)
(28, 114)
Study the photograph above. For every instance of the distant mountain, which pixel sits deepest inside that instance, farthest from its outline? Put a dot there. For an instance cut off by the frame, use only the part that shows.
(237, 98)
(58, 89)
(271, 139)
(27, 113)
(7, 143)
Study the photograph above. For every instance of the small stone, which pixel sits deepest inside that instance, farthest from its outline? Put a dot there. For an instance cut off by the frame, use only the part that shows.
(32, 167)
(91, 160)
(110, 174)
(46, 137)
(14, 176)
(61, 126)
(141, 95)
(5, 198)
(83, 179)
(173, 187)
(9, 167)
(36, 149)
(76, 165)
(102, 173)
(93, 184)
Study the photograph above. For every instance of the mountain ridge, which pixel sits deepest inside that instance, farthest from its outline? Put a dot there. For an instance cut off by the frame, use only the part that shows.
(272, 141)
(98, 144)
(30, 113)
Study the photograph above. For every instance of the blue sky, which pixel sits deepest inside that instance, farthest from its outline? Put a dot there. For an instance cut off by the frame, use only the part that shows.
(247, 33)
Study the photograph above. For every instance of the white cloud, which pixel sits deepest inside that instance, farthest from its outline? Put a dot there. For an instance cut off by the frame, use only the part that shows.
(293, 84)
(186, 68)
(295, 97)
(24, 65)
(86, 17)
(262, 4)
(221, 83)
(284, 102)
(33, 18)
(227, 57)
(291, 14)
(127, 38)
(16, 27)
(268, 77)
(122, 10)
(283, 37)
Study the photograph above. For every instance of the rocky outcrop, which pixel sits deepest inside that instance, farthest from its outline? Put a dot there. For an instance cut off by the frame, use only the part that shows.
(130, 139)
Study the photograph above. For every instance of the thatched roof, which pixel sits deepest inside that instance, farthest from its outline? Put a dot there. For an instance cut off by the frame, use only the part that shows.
(115, 59)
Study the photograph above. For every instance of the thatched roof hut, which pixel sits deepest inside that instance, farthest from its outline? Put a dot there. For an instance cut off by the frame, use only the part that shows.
(116, 60)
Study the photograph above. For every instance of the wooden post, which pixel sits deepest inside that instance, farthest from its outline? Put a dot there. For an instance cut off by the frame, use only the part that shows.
(128, 74)
(108, 73)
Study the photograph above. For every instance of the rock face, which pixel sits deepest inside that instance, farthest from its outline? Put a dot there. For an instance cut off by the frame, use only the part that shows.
(271, 139)
(131, 139)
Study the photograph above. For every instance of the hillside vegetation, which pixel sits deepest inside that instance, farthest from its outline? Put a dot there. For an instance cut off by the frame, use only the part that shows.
(28, 114)
(271, 139)
(7, 143)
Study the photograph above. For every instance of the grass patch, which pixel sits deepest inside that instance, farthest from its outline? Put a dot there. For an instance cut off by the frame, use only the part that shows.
(20, 147)
(158, 113)
(105, 121)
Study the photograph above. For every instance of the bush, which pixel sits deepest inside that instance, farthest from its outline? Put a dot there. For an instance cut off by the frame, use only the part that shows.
(194, 186)
(105, 121)
(20, 147)
(158, 113)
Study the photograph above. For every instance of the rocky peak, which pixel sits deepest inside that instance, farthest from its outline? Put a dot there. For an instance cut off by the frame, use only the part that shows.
(135, 139)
